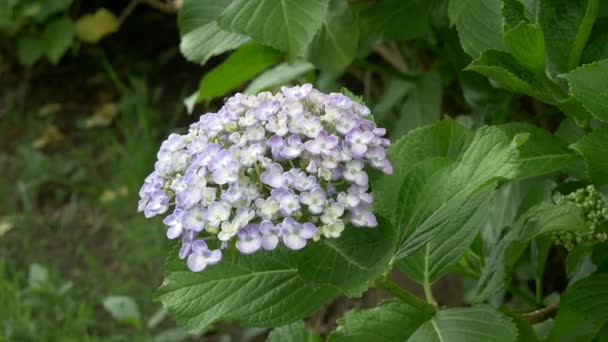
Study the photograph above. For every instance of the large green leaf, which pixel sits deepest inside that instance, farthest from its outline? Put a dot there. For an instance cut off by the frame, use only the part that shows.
(542, 152)
(335, 45)
(352, 262)
(594, 149)
(196, 13)
(242, 65)
(432, 261)
(423, 104)
(474, 324)
(478, 23)
(586, 84)
(566, 25)
(582, 310)
(288, 25)
(207, 41)
(294, 332)
(278, 287)
(502, 67)
(278, 76)
(431, 200)
(446, 138)
(541, 219)
(202, 38)
(391, 320)
(57, 38)
(396, 19)
(263, 289)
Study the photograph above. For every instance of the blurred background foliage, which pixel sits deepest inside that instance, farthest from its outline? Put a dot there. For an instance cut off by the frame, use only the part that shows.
(90, 88)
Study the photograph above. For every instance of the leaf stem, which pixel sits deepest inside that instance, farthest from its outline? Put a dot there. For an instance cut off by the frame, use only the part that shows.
(404, 295)
(428, 293)
(540, 315)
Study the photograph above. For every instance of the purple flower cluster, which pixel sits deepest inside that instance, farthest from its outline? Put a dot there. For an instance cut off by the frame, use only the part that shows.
(265, 170)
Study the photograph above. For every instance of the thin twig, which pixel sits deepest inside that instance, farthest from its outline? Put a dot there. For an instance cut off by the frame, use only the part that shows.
(127, 11)
(392, 56)
(540, 315)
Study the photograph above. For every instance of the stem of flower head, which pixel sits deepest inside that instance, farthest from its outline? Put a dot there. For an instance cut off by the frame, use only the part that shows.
(404, 295)
(428, 294)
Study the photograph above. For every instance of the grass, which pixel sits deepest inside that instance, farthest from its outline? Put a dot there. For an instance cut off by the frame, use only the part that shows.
(69, 210)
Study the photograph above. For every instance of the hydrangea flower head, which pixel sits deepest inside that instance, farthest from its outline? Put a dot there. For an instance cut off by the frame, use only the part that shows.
(265, 171)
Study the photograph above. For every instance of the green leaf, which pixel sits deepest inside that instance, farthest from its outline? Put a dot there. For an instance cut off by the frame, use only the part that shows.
(287, 25)
(542, 153)
(262, 289)
(510, 201)
(597, 45)
(196, 13)
(391, 320)
(278, 287)
(593, 149)
(582, 310)
(432, 261)
(444, 139)
(527, 45)
(335, 45)
(422, 106)
(396, 19)
(541, 219)
(57, 38)
(28, 49)
(207, 41)
(242, 65)
(502, 67)
(566, 25)
(588, 84)
(539, 251)
(525, 332)
(474, 324)
(479, 25)
(278, 76)
(574, 109)
(202, 38)
(294, 332)
(352, 262)
(123, 309)
(430, 201)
